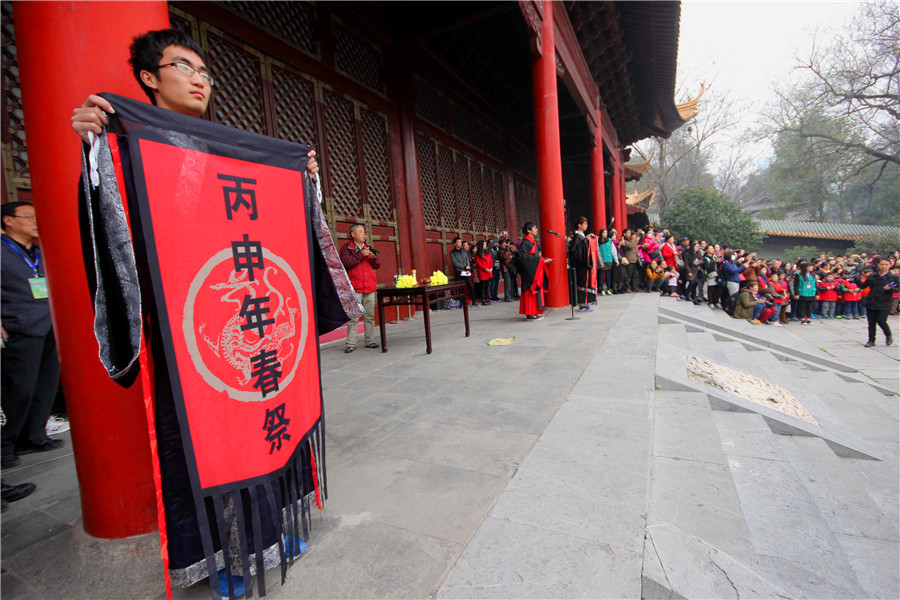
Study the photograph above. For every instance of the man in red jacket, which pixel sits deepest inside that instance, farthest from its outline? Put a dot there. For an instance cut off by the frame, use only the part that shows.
(361, 260)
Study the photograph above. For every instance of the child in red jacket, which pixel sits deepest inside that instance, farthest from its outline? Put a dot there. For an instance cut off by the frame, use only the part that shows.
(851, 294)
(780, 296)
(828, 294)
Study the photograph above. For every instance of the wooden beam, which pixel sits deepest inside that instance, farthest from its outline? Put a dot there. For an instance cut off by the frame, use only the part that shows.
(464, 22)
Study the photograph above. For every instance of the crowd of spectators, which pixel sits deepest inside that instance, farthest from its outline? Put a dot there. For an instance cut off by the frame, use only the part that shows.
(769, 292)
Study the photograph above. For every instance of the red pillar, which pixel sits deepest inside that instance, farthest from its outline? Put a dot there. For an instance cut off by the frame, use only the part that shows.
(623, 208)
(509, 203)
(598, 191)
(66, 51)
(549, 161)
(415, 211)
(616, 192)
(399, 180)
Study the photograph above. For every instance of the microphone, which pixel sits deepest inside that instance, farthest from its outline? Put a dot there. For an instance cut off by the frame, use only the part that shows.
(553, 232)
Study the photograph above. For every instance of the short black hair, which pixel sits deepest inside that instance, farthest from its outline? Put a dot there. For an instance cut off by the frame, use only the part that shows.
(457, 238)
(9, 210)
(147, 50)
(527, 227)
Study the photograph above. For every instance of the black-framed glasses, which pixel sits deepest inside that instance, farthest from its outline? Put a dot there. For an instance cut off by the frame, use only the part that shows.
(31, 218)
(188, 71)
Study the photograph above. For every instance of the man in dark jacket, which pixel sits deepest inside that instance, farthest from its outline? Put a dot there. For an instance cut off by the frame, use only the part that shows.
(882, 286)
(30, 366)
(361, 260)
(463, 265)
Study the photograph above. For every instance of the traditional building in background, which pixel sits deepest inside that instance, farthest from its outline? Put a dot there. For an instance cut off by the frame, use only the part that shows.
(343, 77)
(431, 120)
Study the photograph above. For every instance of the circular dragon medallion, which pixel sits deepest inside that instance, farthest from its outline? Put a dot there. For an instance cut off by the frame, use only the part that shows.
(245, 329)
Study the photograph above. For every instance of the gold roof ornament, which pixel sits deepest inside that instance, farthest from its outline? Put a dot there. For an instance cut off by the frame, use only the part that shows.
(643, 167)
(635, 198)
(688, 110)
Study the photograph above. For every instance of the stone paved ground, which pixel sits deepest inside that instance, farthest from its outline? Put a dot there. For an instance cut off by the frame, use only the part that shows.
(553, 468)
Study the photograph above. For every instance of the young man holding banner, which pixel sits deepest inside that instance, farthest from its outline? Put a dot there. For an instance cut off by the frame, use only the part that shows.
(232, 320)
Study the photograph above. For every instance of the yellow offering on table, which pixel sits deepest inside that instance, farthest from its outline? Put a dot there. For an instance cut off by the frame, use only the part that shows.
(406, 281)
(438, 278)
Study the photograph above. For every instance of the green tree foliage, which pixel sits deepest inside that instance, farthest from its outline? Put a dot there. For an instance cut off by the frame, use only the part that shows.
(805, 252)
(805, 172)
(811, 179)
(876, 245)
(704, 213)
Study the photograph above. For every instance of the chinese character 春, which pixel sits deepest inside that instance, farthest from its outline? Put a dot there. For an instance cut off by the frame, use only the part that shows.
(247, 256)
(266, 370)
(237, 197)
(253, 310)
(276, 427)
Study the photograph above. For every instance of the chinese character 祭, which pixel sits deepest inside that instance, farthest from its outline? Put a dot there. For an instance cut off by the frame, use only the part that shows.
(276, 427)
(171, 69)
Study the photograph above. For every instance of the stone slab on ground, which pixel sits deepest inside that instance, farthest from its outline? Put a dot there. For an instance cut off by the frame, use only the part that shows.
(571, 521)
(692, 568)
(792, 541)
(514, 560)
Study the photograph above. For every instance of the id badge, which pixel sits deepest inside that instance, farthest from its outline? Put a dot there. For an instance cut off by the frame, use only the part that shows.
(39, 287)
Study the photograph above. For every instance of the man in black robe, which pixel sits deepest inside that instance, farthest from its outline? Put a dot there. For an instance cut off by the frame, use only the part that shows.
(579, 258)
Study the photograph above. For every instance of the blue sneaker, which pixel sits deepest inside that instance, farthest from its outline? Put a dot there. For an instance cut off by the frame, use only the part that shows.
(299, 546)
(236, 580)
(588, 309)
(815, 316)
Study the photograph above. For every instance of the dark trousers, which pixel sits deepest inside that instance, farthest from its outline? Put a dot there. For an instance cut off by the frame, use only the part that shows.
(508, 292)
(484, 290)
(712, 294)
(30, 379)
(605, 279)
(618, 278)
(470, 285)
(878, 317)
(495, 283)
(633, 276)
(804, 307)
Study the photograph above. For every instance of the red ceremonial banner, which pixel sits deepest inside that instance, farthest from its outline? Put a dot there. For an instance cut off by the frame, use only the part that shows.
(231, 241)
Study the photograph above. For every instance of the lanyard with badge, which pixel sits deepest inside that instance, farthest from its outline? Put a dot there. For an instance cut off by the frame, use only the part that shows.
(38, 284)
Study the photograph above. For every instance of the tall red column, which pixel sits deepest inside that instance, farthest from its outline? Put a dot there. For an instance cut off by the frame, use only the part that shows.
(66, 51)
(623, 207)
(598, 191)
(617, 192)
(549, 161)
(509, 203)
(415, 211)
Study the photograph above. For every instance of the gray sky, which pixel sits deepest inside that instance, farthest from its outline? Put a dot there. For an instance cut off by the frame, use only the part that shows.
(745, 48)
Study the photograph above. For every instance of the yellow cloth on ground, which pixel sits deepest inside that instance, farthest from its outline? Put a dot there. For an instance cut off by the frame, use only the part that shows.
(501, 341)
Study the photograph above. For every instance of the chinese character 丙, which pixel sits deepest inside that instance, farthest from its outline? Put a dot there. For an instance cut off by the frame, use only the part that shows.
(237, 197)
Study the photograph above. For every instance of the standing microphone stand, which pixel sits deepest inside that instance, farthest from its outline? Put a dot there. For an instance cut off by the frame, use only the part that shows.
(569, 276)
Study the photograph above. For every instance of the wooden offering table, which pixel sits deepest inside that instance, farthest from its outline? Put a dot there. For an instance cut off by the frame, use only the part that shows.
(422, 297)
